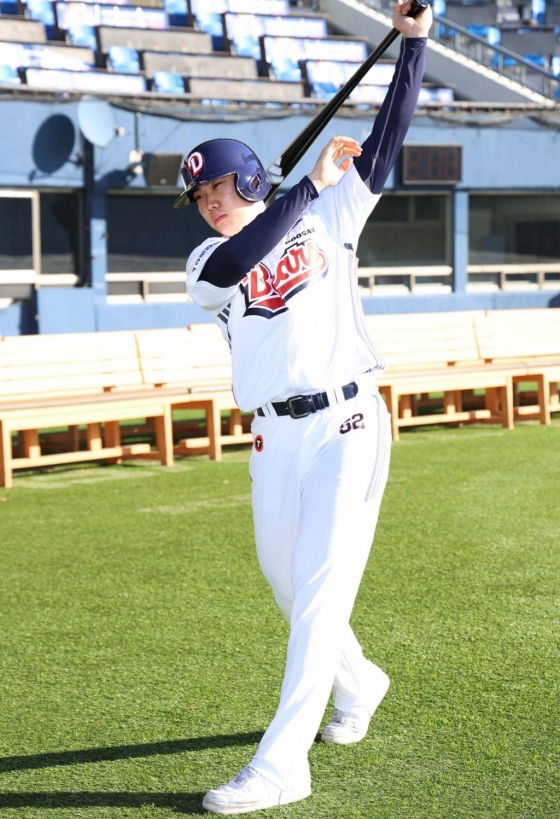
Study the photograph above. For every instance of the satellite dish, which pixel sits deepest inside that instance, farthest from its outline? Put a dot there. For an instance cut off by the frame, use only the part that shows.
(96, 122)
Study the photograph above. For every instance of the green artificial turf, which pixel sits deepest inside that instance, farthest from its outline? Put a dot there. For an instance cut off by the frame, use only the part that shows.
(141, 652)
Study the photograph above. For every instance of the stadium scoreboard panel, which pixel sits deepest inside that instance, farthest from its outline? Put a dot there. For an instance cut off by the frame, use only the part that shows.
(431, 164)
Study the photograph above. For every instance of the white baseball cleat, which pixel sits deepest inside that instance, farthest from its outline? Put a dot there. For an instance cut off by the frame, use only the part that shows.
(351, 726)
(250, 791)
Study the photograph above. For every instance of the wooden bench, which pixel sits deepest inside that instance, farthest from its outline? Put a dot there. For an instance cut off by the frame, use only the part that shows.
(196, 359)
(437, 352)
(97, 379)
(527, 342)
(101, 379)
(69, 380)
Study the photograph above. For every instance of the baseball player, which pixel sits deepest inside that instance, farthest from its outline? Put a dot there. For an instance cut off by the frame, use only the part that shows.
(282, 284)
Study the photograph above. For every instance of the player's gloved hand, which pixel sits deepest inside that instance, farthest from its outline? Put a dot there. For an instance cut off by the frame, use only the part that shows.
(326, 172)
(409, 26)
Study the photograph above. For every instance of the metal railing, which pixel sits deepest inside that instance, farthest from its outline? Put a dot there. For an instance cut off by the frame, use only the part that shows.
(389, 280)
(167, 286)
(543, 276)
(151, 287)
(18, 285)
(504, 62)
(405, 279)
(31, 277)
(432, 279)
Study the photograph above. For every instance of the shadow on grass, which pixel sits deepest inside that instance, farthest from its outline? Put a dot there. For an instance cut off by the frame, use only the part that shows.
(179, 802)
(174, 746)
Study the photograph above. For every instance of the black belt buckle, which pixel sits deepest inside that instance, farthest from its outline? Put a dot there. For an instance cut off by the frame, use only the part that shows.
(301, 399)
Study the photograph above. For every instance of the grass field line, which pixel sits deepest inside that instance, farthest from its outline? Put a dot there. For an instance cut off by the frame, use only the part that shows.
(430, 434)
(36, 483)
(56, 483)
(238, 457)
(428, 437)
(196, 506)
(58, 480)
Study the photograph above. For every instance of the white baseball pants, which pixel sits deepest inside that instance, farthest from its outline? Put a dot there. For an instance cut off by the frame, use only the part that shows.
(317, 489)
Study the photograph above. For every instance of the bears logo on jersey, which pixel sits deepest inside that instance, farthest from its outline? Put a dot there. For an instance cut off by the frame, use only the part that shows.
(266, 292)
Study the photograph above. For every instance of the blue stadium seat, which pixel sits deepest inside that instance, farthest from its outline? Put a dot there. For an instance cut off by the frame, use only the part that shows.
(508, 62)
(243, 31)
(107, 14)
(476, 28)
(555, 66)
(8, 7)
(208, 15)
(9, 75)
(439, 7)
(177, 12)
(124, 60)
(218, 102)
(168, 82)
(284, 54)
(11, 55)
(538, 11)
(43, 12)
(45, 55)
(442, 94)
(104, 82)
(490, 33)
(537, 59)
(83, 36)
(326, 77)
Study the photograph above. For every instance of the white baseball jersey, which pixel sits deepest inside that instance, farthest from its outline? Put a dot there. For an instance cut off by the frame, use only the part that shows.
(295, 322)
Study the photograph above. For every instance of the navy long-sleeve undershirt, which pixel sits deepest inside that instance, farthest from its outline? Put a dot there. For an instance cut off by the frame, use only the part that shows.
(381, 148)
(233, 259)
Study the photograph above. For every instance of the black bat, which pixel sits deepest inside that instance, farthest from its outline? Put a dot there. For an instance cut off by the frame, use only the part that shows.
(289, 158)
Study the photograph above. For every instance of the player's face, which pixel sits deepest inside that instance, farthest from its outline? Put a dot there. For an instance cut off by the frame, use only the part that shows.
(223, 208)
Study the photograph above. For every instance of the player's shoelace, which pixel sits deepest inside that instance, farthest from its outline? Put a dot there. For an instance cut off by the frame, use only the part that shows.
(245, 774)
(344, 718)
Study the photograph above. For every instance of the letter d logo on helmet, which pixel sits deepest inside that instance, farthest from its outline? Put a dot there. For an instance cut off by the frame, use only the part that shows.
(223, 157)
(195, 163)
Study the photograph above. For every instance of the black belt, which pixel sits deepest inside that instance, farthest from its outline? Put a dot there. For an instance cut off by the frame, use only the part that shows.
(300, 406)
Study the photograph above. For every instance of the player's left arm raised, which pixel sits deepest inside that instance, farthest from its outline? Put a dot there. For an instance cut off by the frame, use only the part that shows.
(233, 259)
(326, 172)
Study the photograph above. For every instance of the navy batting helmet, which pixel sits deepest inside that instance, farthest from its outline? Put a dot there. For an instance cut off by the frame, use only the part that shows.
(223, 157)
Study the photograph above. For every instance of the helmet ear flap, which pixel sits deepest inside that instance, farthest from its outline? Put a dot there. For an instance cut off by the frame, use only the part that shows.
(252, 189)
